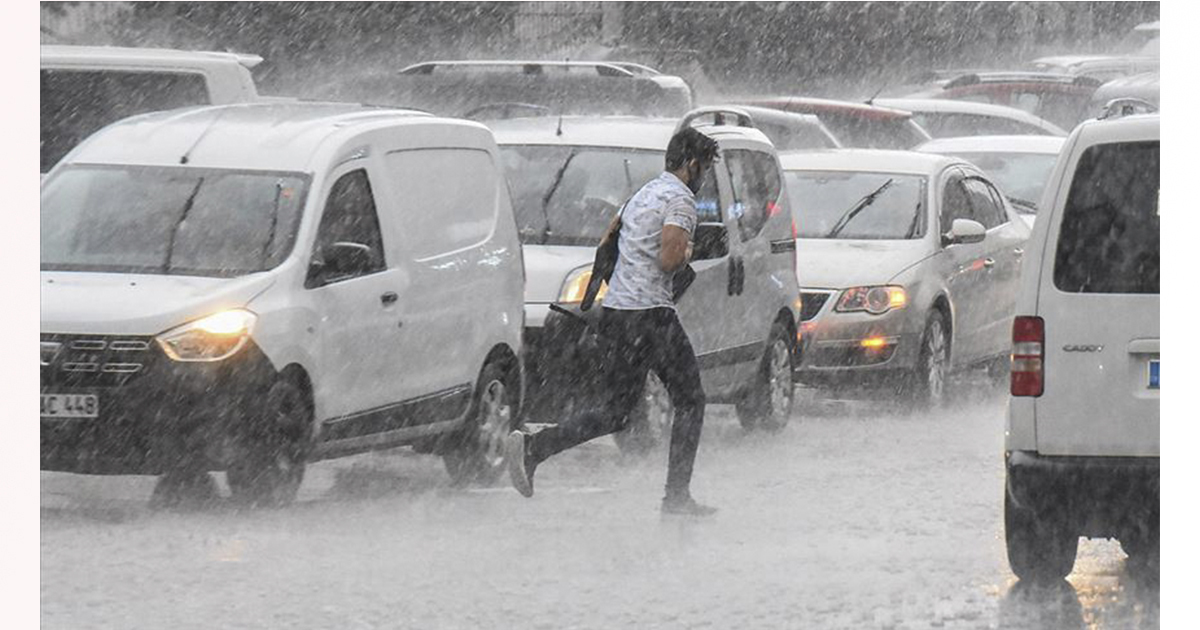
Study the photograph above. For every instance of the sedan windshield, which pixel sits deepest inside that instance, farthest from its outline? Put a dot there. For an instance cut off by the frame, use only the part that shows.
(565, 195)
(849, 205)
(1020, 176)
(180, 221)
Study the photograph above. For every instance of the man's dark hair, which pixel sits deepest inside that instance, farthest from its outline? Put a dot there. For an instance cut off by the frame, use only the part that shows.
(688, 144)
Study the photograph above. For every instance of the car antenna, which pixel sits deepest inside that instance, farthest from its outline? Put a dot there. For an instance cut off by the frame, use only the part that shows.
(558, 130)
(870, 101)
(187, 154)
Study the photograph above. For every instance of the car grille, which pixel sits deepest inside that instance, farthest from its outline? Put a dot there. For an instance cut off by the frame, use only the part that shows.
(93, 360)
(811, 303)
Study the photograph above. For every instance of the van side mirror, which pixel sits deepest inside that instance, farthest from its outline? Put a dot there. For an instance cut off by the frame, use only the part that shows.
(340, 260)
(963, 232)
(710, 241)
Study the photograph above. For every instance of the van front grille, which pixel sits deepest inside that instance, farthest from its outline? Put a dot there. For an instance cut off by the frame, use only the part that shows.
(92, 360)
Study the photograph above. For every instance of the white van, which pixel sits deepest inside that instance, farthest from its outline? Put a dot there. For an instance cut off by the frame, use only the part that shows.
(1082, 441)
(569, 177)
(84, 88)
(249, 287)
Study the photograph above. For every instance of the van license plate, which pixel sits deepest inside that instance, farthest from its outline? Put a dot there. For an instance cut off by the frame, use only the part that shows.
(1153, 374)
(70, 406)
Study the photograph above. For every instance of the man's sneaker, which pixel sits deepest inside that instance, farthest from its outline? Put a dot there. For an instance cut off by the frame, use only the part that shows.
(520, 465)
(686, 506)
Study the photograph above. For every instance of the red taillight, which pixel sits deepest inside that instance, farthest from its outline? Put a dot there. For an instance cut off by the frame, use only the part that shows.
(1028, 354)
(795, 246)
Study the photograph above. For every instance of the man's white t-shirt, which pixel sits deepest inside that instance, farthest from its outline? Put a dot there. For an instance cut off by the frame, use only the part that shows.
(638, 281)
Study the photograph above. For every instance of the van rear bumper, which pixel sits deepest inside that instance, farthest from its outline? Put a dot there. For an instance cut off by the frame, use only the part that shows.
(1102, 495)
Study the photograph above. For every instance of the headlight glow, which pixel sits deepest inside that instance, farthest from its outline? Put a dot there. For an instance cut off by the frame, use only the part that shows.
(213, 338)
(874, 300)
(576, 285)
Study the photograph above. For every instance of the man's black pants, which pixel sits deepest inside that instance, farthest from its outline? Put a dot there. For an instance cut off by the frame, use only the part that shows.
(635, 342)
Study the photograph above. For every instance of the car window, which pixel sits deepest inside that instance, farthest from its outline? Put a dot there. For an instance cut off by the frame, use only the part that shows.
(350, 217)
(956, 125)
(77, 103)
(1019, 175)
(1109, 238)
(857, 205)
(985, 208)
(956, 204)
(708, 200)
(756, 187)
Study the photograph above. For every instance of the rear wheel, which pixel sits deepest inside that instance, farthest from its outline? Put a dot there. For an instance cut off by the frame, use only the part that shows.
(768, 404)
(1041, 544)
(277, 445)
(649, 424)
(477, 455)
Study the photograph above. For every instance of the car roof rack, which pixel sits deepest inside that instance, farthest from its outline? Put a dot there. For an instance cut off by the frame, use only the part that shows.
(976, 78)
(601, 68)
(1126, 106)
(720, 115)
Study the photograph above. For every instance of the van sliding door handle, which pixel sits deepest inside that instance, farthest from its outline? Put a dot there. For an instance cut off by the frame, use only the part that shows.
(988, 262)
(1018, 251)
(389, 298)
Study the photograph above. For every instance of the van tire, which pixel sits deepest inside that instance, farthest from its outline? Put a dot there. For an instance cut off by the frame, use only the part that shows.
(277, 448)
(933, 364)
(768, 403)
(1041, 544)
(649, 425)
(475, 454)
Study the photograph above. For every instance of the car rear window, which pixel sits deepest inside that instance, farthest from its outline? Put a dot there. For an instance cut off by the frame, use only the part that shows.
(77, 103)
(1108, 241)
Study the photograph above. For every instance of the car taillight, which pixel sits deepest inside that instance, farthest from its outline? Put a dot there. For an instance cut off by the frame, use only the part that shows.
(1028, 354)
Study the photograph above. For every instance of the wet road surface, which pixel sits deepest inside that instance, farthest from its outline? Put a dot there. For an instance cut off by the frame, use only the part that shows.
(854, 516)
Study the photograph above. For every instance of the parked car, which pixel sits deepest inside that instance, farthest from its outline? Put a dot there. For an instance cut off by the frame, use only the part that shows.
(945, 118)
(1082, 438)
(855, 125)
(84, 88)
(1102, 67)
(265, 285)
(910, 268)
(1139, 87)
(569, 178)
(1020, 166)
(1059, 98)
(789, 131)
(482, 90)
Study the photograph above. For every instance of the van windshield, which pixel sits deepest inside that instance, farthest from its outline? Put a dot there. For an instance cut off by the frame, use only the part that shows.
(169, 220)
(857, 205)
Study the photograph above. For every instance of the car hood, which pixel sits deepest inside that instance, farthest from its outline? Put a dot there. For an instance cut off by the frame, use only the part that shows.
(839, 264)
(547, 266)
(137, 304)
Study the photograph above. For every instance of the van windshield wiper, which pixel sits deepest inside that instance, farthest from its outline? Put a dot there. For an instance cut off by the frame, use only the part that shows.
(857, 208)
(187, 207)
(558, 177)
(274, 220)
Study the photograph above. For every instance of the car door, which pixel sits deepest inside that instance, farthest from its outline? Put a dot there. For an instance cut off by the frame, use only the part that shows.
(357, 312)
(964, 270)
(704, 310)
(1002, 250)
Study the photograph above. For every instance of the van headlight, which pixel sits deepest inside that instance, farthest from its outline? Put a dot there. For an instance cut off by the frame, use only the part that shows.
(213, 338)
(874, 300)
(576, 285)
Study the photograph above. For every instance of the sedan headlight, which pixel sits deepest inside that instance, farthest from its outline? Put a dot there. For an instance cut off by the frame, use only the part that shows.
(213, 338)
(576, 285)
(874, 300)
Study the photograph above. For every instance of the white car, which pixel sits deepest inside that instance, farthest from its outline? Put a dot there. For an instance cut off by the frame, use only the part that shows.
(910, 265)
(84, 88)
(1019, 165)
(250, 287)
(944, 118)
(569, 176)
(1082, 438)
(1102, 67)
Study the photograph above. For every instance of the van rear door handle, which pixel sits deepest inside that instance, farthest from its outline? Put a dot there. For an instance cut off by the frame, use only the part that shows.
(988, 262)
(1018, 251)
(389, 298)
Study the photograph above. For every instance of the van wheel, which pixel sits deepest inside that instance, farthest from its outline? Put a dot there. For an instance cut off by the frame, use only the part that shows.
(477, 453)
(270, 473)
(649, 424)
(933, 364)
(1041, 545)
(768, 404)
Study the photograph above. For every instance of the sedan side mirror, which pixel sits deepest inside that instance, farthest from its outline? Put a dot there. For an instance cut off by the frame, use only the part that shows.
(341, 260)
(710, 241)
(963, 232)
